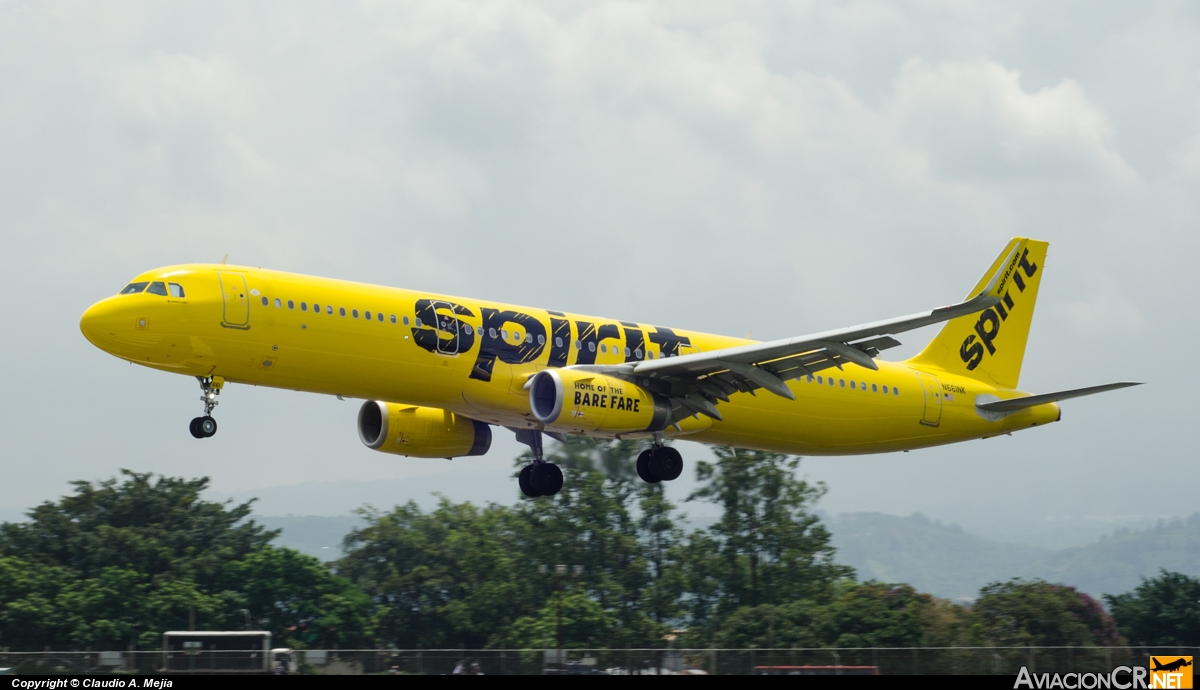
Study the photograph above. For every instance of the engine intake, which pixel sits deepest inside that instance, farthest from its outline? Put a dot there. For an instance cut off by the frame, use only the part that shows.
(421, 432)
(573, 399)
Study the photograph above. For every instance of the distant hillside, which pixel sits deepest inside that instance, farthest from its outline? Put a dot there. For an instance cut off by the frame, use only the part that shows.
(936, 558)
(1114, 564)
(318, 536)
(948, 562)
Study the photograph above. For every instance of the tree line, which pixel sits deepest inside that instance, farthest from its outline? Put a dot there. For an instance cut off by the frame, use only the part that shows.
(604, 564)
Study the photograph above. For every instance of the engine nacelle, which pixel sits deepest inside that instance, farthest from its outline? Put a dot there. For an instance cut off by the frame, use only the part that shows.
(421, 432)
(586, 401)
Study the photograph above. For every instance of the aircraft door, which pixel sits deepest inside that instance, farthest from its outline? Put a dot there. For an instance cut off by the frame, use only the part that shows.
(933, 399)
(237, 300)
(447, 325)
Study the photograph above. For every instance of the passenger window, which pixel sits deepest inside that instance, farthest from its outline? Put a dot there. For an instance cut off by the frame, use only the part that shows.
(405, 320)
(863, 386)
(175, 289)
(341, 311)
(379, 317)
(578, 345)
(278, 304)
(468, 329)
(504, 334)
(591, 347)
(895, 391)
(558, 342)
(820, 379)
(842, 383)
(874, 388)
(603, 348)
(367, 314)
(157, 288)
(419, 324)
(529, 338)
(808, 379)
(541, 340)
(626, 352)
(393, 317)
(329, 309)
(851, 385)
(291, 304)
(316, 308)
(637, 354)
(885, 390)
(492, 333)
(134, 288)
(266, 301)
(831, 380)
(304, 306)
(354, 313)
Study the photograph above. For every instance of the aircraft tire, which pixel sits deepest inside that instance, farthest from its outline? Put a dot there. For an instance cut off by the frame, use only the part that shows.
(666, 463)
(643, 467)
(525, 481)
(194, 427)
(207, 426)
(547, 478)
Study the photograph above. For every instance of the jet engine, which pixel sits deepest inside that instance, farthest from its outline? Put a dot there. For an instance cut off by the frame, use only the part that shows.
(420, 432)
(575, 399)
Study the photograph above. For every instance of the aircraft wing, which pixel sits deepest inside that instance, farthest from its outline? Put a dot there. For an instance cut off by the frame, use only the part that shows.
(697, 382)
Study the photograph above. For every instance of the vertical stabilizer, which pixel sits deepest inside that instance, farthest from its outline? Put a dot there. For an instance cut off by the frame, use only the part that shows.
(990, 345)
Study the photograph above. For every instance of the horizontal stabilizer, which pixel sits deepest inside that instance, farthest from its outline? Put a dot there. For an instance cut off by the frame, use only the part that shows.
(1035, 400)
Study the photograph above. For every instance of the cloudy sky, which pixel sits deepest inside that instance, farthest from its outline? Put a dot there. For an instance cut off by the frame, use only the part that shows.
(780, 168)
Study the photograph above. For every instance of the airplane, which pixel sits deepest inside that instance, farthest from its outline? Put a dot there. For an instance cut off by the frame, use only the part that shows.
(437, 371)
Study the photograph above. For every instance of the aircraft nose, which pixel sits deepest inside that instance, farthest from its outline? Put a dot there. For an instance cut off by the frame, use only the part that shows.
(98, 323)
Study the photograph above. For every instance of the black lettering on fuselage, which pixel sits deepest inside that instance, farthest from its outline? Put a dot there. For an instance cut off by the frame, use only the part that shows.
(459, 336)
(496, 346)
(589, 339)
(560, 332)
(634, 341)
(668, 342)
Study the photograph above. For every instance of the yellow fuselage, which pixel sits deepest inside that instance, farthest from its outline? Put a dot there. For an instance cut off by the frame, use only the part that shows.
(261, 327)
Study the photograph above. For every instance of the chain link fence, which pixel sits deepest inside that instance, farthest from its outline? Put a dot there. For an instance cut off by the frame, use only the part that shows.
(884, 660)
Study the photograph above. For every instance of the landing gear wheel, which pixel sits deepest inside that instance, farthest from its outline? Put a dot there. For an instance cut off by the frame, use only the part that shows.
(210, 387)
(666, 463)
(525, 481)
(643, 467)
(546, 478)
(207, 426)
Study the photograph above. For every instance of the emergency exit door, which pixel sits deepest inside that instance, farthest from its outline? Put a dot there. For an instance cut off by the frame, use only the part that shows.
(933, 400)
(237, 301)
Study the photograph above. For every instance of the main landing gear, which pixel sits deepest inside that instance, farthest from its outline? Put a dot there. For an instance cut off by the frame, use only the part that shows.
(659, 464)
(540, 478)
(206, 426)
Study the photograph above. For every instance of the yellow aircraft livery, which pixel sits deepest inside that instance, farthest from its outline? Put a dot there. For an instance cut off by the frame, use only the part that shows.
(437, 371)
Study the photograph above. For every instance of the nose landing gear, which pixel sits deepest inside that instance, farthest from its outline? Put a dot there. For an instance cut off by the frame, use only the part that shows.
(659, 464)
(206, 426)
(540, 478)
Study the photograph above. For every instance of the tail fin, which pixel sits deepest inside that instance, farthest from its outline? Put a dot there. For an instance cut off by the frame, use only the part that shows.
(990, 344)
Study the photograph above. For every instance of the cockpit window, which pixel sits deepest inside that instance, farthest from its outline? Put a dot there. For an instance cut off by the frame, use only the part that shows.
(175, 289)
(157, 288)
(134, 288)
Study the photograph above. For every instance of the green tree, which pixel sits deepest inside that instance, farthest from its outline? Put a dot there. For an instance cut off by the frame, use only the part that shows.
(767, 547)
(1019, 613)
(1163, 611)
(121, 562)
